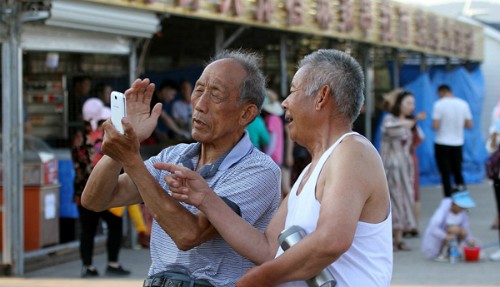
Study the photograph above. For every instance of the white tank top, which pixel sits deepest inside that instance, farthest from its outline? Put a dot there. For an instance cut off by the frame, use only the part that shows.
(368, 262)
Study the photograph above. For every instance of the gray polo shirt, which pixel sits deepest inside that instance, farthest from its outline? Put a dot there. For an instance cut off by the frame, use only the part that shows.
(245, 176)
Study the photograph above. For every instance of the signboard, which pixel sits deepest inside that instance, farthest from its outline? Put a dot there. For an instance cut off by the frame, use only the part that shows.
(377, 22)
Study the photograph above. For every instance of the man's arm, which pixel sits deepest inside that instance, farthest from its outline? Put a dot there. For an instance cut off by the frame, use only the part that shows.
(468, 124)
(171, 124)
(186, 229)
(468, 117)
(345, 200)
(188, 186)
(436, 124)
(436, 116)
(106, 189)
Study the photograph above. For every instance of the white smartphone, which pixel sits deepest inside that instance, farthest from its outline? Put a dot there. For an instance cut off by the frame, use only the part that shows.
(118, 110)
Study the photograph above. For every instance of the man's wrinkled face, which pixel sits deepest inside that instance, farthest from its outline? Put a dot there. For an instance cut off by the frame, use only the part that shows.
(215, 101)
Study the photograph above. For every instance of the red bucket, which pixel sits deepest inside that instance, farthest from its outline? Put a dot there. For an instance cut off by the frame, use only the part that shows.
(471, 254)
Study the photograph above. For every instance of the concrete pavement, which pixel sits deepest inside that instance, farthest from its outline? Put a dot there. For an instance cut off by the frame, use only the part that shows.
(411, 269)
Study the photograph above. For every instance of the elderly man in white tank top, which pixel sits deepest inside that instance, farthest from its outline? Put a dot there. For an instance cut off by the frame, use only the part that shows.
(341, 199)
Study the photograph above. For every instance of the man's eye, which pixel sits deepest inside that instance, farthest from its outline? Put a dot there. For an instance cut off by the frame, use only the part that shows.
(217, 98)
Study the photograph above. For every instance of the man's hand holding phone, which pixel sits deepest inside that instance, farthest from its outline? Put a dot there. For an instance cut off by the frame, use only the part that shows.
(140, 121)
(118, 110)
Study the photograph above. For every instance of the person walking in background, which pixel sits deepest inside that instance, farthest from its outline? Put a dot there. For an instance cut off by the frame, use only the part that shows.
(449, 222)
(259, 135)
(288, 163)
(86, 152)
(182, 110)
(167, 129)
(449, 117)
(272, 111)
(136, 215)
(82, 87)
(398, 164)
(492, 145)
(418, 137)
(103, 92)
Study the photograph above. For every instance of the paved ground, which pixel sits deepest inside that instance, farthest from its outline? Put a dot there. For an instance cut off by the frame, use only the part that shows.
(411, 269)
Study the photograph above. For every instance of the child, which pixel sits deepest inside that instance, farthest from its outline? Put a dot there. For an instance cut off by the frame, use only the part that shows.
(449, 222)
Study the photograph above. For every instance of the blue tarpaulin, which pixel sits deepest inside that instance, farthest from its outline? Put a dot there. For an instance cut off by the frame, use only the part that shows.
(67, 206)
(467, 85)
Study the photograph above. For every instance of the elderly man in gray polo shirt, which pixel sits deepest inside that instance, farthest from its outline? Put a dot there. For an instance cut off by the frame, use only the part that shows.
(185, 248)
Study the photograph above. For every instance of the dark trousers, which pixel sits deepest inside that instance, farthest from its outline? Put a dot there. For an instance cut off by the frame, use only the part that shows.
(88, 221)
(496, 186)
(449, 162)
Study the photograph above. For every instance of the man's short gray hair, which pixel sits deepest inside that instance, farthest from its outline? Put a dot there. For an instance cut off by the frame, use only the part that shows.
(253, 88)
(341, 73)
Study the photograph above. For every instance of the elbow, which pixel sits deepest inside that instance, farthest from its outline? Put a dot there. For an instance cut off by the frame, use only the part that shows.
(87, 203)
(334, 249)
(186, 242)
(183, 247)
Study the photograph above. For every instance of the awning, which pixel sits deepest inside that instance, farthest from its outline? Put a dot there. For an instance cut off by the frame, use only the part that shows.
(102, 18)
(44, 38)
(77, 26)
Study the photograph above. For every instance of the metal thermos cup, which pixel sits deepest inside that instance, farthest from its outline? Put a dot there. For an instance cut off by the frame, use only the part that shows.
(290, 237)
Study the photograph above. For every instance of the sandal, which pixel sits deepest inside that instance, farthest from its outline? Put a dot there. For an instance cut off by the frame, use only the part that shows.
(411, 233)
(401, 246)
(495, 224)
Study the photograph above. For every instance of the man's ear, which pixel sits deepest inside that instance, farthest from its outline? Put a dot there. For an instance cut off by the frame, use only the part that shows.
(323, 97)
(248, 114)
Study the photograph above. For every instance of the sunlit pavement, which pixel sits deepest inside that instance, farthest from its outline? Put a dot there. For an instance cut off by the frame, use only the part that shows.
(411, 269)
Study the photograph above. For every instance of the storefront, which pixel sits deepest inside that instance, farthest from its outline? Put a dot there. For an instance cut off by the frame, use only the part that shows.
(43, 48)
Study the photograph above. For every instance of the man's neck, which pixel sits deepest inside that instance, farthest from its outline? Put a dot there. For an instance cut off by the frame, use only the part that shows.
(210, 152)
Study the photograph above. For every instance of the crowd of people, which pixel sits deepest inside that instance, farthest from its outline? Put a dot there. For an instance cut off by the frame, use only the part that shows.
(230, 179)
(401, 134)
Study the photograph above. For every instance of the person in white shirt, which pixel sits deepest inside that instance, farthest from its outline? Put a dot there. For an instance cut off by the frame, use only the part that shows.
(341, 199)
(450, 115)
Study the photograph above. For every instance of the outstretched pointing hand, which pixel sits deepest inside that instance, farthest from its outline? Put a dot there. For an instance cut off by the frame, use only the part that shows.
(186, 185)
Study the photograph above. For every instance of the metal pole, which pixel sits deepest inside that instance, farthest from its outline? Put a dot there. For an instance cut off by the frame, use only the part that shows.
(283, 67)
(423, 63)
(396, 69)
(12, 147)
(219, 38)
(368, 67)
(129, 229)
(132, 62)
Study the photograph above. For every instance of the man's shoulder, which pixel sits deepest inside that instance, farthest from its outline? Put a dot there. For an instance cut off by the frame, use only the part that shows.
(440, 102)
(356, 150)
(462, 102)
(172, 151)
(259, 159)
